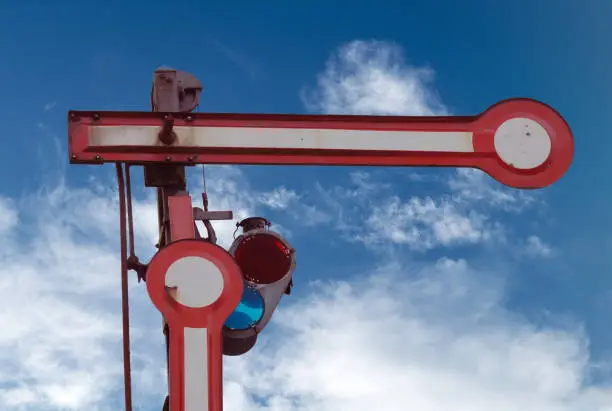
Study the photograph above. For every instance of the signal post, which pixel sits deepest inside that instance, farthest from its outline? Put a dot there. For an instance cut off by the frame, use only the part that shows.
(215, 301)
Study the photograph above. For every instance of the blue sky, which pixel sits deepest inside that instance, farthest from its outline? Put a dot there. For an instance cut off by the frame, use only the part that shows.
(433, 289)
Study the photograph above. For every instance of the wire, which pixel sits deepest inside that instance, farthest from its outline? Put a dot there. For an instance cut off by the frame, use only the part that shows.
(204, 190)
(204, 177)
(125, 307)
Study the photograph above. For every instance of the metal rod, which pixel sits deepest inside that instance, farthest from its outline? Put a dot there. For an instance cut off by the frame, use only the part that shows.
(130, 220)
(125, 306)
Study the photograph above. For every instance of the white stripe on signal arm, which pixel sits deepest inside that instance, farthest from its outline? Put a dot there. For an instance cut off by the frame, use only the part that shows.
(286, 138)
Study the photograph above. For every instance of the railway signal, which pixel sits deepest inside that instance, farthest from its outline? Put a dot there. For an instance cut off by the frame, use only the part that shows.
(266, 261)
(521, 143)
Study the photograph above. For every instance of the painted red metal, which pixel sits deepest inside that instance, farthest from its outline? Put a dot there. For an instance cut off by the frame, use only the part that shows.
(482, 126)
(179, 316)
(181, 217)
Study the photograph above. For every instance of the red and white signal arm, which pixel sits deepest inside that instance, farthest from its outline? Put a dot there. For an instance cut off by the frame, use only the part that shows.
(208, 286)
(522, 143)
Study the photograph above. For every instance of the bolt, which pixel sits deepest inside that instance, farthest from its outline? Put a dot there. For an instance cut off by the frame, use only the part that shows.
(96, 116)
(189, 118)
(98, 157)
(74, 157)
(73, 117)
(168, 158)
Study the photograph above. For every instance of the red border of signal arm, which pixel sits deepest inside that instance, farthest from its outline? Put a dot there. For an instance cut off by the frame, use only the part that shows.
(483, 127)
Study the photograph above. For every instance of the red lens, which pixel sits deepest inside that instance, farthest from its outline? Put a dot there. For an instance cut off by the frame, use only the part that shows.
(263, 258)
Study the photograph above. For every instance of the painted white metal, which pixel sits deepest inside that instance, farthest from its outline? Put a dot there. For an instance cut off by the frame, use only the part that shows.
(252, 137)
(522, 143)
(198, 283)
(196, 369)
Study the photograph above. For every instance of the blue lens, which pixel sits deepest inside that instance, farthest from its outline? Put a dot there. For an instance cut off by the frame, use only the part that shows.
(249, 310)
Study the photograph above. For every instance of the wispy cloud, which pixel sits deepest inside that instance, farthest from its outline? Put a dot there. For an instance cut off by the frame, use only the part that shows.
(424, 223)
(536, 247)
(59, 332)
(431, 338)
(373, 77)
(475, 186)
(8, 215)
(59, 277)
(369, 211)
(237, 58)
(280, 198)
(49, 106)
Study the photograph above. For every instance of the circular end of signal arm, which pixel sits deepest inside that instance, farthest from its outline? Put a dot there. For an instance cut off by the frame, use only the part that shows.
(207, 281)
(531, 144)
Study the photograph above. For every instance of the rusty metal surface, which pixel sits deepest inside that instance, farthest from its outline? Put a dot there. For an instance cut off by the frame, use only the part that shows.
(189, 91)
(165, 175)
(174, 91)
(200, 214)
(165, 91)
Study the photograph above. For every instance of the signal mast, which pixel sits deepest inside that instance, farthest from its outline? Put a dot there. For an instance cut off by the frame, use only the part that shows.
(214, 301)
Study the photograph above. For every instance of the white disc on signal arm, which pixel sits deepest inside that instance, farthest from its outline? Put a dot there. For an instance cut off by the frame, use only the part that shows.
(522, 143)
(199, 282)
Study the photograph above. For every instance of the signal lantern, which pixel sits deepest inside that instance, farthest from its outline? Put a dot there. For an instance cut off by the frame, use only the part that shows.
(267, 262)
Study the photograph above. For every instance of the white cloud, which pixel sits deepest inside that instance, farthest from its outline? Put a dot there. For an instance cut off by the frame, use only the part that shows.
(432, 338)
(49, 106)
(60, 311)
(58, 329)
(536, 247)
(9, 216)
(476, 186)
(372, 77)
(423, 223)
(369, 211)
(280, 198)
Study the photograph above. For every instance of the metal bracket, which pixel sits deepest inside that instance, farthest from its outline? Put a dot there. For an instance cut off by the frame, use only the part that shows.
(207, 216)
(179, 87)
(199, 214)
